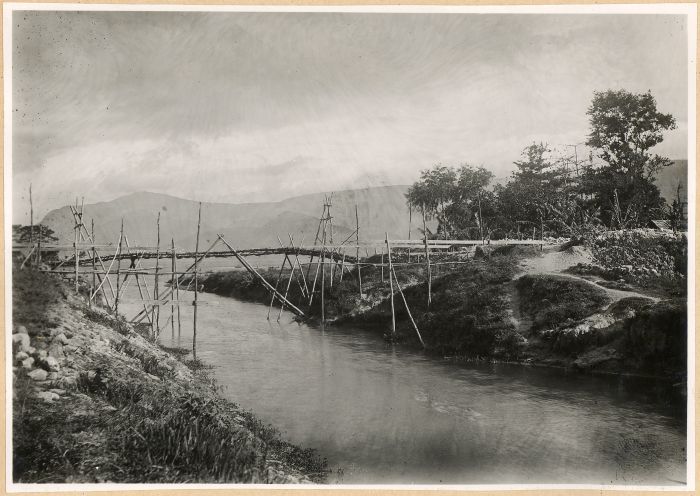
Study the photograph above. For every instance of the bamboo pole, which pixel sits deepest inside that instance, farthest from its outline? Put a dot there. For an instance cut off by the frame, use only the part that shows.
(427, 254)
(173, 267)
(296, 257)
(257, 274)
(75, 249)
(279, 276)
(31, 252)
(156, 308)
(31, 216)
(408, 310)
(94, 268)
(342, 267)
(138, 283)
(140, 316)
(410, 217)
(92, 255)
(391, 286)
(316, 239)
(481, 220)
(38, 246)
(382, 262)
(323, 278)
(196, 286)
(303, 289)
(116, 301)
(107, 271)
(318, 265)
(330, 229)
(286, 292)
(357, 256)
(99, 259)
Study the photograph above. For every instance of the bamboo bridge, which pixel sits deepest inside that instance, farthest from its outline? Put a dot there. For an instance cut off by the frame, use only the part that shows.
(104, 279)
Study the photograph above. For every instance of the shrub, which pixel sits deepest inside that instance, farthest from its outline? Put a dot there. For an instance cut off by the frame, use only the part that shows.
(554, 300)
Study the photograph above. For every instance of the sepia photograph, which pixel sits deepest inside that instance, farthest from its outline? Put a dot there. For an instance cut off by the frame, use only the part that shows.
(349, 247)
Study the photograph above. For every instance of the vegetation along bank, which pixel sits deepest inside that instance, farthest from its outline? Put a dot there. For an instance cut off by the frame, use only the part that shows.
(94, 401)
(576, 307)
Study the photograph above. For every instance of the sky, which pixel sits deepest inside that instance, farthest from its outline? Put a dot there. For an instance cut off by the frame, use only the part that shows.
(241, 107)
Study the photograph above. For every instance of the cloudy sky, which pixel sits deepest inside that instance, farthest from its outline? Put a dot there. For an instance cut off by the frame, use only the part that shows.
(238, 107)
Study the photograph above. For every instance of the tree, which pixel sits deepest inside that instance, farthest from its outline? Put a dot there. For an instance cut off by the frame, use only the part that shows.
(536, 192)
(624, 129)
(27, 234)
(432, 192)
(453, 196)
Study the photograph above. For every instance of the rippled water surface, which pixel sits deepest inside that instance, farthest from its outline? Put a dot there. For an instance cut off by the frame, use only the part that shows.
(381, 414)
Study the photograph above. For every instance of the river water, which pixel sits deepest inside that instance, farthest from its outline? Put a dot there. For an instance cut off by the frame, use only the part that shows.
(385, 414)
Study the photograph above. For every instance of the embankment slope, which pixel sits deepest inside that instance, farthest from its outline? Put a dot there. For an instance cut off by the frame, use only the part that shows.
(93, 401)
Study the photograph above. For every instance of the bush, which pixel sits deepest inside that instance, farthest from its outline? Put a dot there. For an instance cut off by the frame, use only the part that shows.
(555, 300)
(639, 254)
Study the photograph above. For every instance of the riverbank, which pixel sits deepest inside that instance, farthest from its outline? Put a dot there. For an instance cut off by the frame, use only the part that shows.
(94, 401)
(512, 304)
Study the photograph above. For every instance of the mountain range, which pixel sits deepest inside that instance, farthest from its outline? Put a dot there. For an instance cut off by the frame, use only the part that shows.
(251, 225)
(244, 225)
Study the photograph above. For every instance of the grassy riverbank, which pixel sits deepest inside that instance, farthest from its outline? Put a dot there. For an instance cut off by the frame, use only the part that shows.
(94, 401)
(486, 308)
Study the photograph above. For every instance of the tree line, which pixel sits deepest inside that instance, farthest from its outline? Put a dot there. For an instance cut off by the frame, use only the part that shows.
(545, 195)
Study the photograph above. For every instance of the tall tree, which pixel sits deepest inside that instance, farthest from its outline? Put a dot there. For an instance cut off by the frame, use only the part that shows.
(452, 196)
(624, 129)
(536, 190)
(27, 234)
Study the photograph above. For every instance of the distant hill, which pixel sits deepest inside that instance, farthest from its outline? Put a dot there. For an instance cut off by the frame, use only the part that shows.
(244, 225)
(670, 177)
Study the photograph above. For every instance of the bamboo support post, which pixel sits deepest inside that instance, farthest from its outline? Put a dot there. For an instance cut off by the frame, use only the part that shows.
(391, 286)
(140, 316)
(31, 216)
(119, 251)
(408, 310)
(410, 217)
(357, 253)
(382, 262)
(257, 274)
(427, 254)
(305, 289)
(156, 308)
(323, 279)
(107, 270)
(316, 240)
(173, 268)
(196, 285)
(286, 292)
(99, 259)
(279, 276)
(138, 284)
(342, 267)
(75, 249)
(94, 267)
(31, 252)
(38, 247)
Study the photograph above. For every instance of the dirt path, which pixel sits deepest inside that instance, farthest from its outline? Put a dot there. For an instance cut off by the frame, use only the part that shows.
(554, 262)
